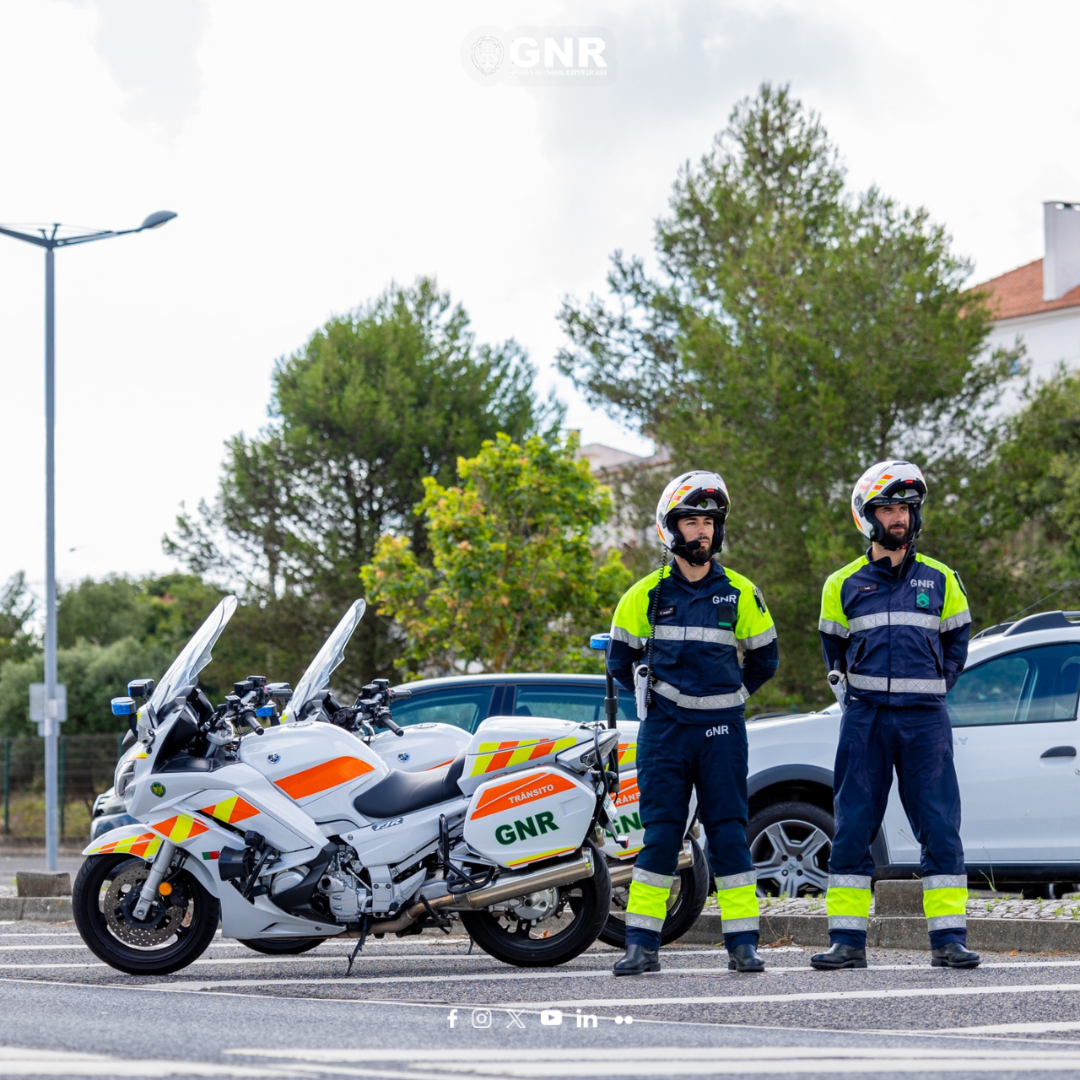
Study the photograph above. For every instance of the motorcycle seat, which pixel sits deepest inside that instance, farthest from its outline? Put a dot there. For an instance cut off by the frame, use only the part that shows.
(404, 792)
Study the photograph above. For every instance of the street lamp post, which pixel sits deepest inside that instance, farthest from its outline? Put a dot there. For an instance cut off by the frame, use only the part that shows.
(50, 241)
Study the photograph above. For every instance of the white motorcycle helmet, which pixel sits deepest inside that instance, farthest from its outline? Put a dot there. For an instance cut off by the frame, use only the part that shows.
(693, 493)
(886, 484)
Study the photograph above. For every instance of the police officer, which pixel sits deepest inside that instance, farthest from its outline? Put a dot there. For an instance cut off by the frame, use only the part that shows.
(686, 622)
(896, 624)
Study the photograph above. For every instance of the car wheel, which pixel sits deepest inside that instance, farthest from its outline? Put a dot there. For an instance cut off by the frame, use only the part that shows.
(1048, 890)
(790, 844)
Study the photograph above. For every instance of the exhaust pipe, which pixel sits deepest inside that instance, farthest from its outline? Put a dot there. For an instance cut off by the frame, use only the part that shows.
(622, 875)
(506, 889)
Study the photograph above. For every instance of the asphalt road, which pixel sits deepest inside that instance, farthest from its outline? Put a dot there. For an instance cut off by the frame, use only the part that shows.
(427, 1010)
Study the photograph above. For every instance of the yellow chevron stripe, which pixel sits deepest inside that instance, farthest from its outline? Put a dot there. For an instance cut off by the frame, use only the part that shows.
(542, 855)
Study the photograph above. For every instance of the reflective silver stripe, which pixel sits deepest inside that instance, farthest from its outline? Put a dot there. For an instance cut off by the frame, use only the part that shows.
(955, 621)
(945, 881)
(866, 682)
(827, 626)
(913, 618)
(947, 922)
(646, 877)
(848, 922)
(716, 701)
(759, 640)
(896, 686)
(695, 633)
(738, 926)
(736, 881)
(626, 638)
(917, 686)
(868, 622)
(644, 922)
(849, 881)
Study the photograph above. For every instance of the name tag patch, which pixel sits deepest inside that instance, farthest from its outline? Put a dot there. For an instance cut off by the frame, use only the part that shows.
(866, 588)
(664, 612)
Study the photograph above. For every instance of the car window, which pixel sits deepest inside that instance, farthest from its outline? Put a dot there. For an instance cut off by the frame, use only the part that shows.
(582, 704)
(462, 706)
(1033, 686)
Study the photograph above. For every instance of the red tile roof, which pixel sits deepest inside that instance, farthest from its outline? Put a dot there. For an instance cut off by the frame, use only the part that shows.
(1019, 292)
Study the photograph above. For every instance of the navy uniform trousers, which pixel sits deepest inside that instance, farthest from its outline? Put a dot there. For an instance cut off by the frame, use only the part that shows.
(674, 758)
(917, 742)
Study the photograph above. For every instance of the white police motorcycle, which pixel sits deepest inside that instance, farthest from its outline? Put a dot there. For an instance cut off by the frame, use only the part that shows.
(301, 831)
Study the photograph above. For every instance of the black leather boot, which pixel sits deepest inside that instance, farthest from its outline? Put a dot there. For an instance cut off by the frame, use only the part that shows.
(745, 958)
(954, 955)
(637, 961)
(839, 956)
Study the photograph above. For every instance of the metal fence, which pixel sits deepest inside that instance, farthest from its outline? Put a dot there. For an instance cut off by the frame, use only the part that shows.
(86, 768)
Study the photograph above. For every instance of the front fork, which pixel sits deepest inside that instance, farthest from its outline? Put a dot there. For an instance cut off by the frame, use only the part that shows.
(158, 869)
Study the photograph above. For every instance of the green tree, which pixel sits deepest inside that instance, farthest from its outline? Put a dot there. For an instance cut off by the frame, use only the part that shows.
(93, 675)
(1037, 495)
(792, 335)
(373, 403)
(514, 579)
(17, 640)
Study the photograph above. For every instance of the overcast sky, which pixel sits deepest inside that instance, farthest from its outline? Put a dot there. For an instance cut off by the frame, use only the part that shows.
(315, 152)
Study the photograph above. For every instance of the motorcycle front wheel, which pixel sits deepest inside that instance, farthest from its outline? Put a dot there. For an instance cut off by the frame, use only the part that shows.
(688, 895)
(177, 930)
(547, 927)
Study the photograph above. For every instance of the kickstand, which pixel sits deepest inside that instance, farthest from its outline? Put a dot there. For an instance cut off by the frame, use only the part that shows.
(471, 944)
(359, 946)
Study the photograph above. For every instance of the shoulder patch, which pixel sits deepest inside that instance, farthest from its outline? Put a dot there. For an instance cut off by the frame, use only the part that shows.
(759, 596)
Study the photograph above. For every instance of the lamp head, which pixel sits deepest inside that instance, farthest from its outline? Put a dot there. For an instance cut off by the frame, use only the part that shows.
(157, 219)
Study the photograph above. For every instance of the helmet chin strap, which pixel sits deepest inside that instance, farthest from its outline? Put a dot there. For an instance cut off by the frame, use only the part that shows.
(697, 552)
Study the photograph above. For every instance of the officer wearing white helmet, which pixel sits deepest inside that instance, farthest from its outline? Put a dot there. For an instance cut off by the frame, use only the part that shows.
(895, 624)
(674, 641)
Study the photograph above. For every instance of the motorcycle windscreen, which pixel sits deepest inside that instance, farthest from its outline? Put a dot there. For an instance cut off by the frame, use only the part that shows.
(529, 816)
(183, 672)
(317, 676)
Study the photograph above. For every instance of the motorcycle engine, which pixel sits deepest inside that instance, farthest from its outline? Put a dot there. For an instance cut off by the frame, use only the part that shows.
(345, 894)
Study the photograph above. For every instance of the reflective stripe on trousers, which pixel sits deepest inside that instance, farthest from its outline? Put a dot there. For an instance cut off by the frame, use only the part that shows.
(736, 897)
(847, 901)
(945, 901)
(647, 906)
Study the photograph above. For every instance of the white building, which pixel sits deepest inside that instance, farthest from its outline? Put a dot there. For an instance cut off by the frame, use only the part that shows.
(1040, 302)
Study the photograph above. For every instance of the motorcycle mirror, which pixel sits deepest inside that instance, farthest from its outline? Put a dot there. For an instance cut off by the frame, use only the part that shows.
(600, 642)
(141, 688)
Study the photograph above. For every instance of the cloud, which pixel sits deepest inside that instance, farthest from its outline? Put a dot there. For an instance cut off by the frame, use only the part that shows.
(150, 48)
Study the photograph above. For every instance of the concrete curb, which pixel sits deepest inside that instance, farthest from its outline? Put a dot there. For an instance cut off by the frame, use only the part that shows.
(36, 908)
(992, 935)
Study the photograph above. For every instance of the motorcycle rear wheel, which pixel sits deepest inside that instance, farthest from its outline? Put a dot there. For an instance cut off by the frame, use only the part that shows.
(684, 909)
(585, 904)
(287, 946)
(177, 931)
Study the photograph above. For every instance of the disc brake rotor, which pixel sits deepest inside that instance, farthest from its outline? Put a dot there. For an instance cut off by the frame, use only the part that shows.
(536, 905)
(163, 920)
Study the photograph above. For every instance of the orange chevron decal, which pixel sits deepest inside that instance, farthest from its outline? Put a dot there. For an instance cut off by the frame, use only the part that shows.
(519, 791)
(180, 828)
(230, 810)
(323, 777)
(630, 793)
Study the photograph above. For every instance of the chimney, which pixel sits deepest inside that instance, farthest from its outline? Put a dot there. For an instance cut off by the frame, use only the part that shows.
(1061, 264)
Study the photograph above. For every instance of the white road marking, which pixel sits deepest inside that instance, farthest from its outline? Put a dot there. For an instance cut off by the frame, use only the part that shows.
(1033, 1028)
(27, 1061)
(666, 1061)
(836, 995)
